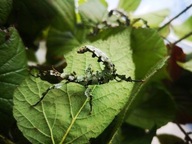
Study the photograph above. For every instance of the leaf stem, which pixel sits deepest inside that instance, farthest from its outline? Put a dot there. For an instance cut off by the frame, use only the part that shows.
(160, 28)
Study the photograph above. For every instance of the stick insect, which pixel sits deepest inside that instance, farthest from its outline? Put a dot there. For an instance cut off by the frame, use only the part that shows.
(116, 18)
(108, 73)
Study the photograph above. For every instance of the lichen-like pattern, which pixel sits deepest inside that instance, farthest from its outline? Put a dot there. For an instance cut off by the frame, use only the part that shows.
(91, 78)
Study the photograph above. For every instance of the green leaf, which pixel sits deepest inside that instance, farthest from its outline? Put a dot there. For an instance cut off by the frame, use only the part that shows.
(60, 42)
(156, 109)
(149, 55)
(129, 5)
(148, 50)
(187, 65)
(63, 115)
(5, 9)
(63, 34)
(121, 58)
(31, 18)
(92, 12)
(171, 139)
(154, 19)
(65, 19)
(184, 28)
(13, 69)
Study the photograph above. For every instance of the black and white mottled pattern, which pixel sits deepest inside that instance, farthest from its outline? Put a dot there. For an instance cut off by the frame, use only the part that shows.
(90, 77)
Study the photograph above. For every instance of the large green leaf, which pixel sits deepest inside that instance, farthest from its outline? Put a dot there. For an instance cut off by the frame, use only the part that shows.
(13, 65)
(5, 9)
(153, 105)
(148, 50)
(63, 115)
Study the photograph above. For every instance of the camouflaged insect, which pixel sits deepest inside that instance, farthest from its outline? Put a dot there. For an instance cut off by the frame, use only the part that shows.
(116, 18)
(90, 78)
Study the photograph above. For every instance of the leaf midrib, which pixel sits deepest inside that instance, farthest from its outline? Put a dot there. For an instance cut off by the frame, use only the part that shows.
(73, 121)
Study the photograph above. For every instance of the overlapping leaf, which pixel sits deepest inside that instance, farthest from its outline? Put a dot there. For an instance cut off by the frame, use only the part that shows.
(13, 65)
(154, 104)
(148, 50)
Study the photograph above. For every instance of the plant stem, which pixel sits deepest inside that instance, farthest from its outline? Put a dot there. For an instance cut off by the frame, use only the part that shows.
(184, 37)
(175, 17)
(187, 137)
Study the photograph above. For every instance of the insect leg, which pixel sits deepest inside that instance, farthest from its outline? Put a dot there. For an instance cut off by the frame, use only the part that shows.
(122, 14)
(129, 79)
(90, 96)
(140, 19)
(45, 93)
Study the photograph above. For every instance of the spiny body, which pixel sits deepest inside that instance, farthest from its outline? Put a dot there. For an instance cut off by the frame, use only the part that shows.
(98, 77)
(90, 77)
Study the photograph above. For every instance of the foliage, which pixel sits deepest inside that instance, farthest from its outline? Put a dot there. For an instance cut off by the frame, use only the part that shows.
(184, 28)
(122, 111)
(13, 70)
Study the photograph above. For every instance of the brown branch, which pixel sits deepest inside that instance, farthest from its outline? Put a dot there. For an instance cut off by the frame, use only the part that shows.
(175, 17)
(184, 37)
(187, 137)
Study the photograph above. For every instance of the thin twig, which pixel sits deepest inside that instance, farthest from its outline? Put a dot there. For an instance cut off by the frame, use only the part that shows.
(175, 17)
(184, 37)
(187, 137)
